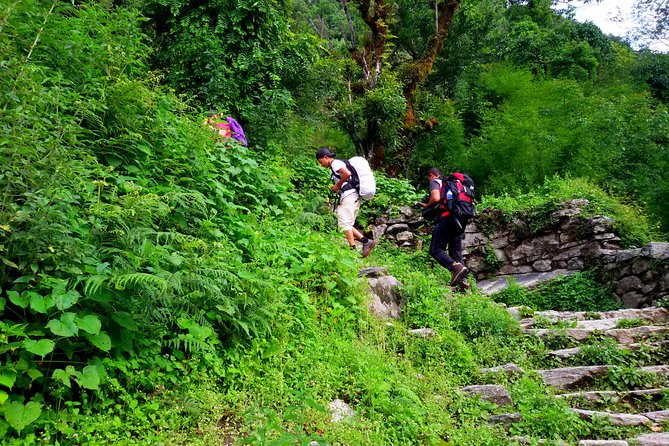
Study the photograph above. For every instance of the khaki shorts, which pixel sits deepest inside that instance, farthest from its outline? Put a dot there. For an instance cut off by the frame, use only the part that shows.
(347, 211)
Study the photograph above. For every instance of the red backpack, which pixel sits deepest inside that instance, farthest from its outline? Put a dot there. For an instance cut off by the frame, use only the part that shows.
(460, 200)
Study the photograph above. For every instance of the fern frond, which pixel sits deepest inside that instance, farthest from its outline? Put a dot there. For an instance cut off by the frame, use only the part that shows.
(140, 279)
(93, 284)
(408, 394)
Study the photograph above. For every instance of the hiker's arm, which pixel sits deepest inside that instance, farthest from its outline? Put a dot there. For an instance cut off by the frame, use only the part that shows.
(345, 175)
(434, 198)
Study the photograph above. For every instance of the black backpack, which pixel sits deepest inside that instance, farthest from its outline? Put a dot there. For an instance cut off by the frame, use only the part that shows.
(462, 204)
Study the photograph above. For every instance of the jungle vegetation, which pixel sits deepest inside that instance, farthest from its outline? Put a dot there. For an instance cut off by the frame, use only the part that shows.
(161, 287)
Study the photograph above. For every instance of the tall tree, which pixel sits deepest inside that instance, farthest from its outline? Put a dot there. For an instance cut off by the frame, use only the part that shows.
(653, 19)
(375, 54)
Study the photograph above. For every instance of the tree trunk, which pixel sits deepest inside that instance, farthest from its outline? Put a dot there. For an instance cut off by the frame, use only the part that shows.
(419, 71)
(370, 59)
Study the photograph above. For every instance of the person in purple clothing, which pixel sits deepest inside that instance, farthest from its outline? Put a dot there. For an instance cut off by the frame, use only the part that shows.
(226, 128)
(237, 131)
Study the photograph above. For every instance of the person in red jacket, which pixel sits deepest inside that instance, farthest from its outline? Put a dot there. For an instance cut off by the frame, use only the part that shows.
(448, 232)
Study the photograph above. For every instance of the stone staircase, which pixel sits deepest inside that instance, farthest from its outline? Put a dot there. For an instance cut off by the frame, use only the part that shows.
(631, 403)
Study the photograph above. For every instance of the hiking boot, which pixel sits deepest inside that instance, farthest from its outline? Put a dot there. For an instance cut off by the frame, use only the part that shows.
(367, 247)
(464, 285)
(458, 273)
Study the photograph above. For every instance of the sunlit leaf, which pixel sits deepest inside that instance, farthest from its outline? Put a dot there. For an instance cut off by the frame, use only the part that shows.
(7, 378)
(66, 299)
(18, 299)
(89, 378)
(65, 326)
(41, 347)
(40, 303)
(89, 323)
(19, 416)
(62, 376)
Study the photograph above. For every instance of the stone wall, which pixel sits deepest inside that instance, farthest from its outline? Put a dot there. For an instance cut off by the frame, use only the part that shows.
(570, 242)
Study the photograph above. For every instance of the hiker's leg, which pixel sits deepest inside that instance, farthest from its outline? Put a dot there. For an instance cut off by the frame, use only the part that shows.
(440, 238)
(357, 234)
(351, 237)
(346, 213)
(457, 234)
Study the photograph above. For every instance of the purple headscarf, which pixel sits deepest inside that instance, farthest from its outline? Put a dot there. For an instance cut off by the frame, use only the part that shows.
(237, 131)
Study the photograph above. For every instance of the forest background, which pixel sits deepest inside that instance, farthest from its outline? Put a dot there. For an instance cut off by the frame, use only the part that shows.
(159, 286)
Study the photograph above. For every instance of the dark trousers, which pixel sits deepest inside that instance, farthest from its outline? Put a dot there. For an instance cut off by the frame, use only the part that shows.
(448, 234)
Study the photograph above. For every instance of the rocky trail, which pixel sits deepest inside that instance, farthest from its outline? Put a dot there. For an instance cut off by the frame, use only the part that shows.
(633, 393)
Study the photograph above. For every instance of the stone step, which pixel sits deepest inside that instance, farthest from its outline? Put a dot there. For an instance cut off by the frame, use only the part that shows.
(653, 314)
(654, 439)
(603, 443)
(625, 419)
(659, 416)
(651, 439)
(496, 394)
(616, 419)
(621, 335)
(569, 377)
(593, 324)
(567, 353)
(525, 280)
(606, 395)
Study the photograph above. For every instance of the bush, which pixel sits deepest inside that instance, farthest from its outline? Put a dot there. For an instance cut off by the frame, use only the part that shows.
(630, 222)
(578, 292)
(475, 316)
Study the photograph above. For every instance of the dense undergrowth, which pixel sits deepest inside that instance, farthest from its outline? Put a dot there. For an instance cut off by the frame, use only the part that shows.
(161, 287)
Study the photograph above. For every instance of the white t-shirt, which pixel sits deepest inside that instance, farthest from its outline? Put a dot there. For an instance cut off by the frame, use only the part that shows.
(336, 166)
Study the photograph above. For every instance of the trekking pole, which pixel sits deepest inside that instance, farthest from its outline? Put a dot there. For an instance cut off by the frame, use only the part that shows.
(335, 203)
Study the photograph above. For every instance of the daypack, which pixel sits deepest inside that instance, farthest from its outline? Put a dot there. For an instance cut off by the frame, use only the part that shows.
(461, 203)
(362, 178)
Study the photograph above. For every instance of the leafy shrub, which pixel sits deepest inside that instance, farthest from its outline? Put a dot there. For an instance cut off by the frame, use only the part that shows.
(578, 292)
(475, 316)
(447, 351)
(634, 228)
(543, 415)
(604, 351)
(629, 378)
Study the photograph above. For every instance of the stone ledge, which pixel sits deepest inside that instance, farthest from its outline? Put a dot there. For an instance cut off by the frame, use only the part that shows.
(527, 280)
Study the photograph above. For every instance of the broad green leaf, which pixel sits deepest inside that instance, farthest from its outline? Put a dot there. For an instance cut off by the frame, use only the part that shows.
(19, 416)
(9, 262)
(18, 299)
(125, 320)
(65, 300)
(40, 303)
(89, 378)
(3, 397)
(3, 302)
(41, 347)
(34, 374)
(22, 365)
(7, 378)
(65, 326)
(62, 376)
(89, 323)
(101, 341)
